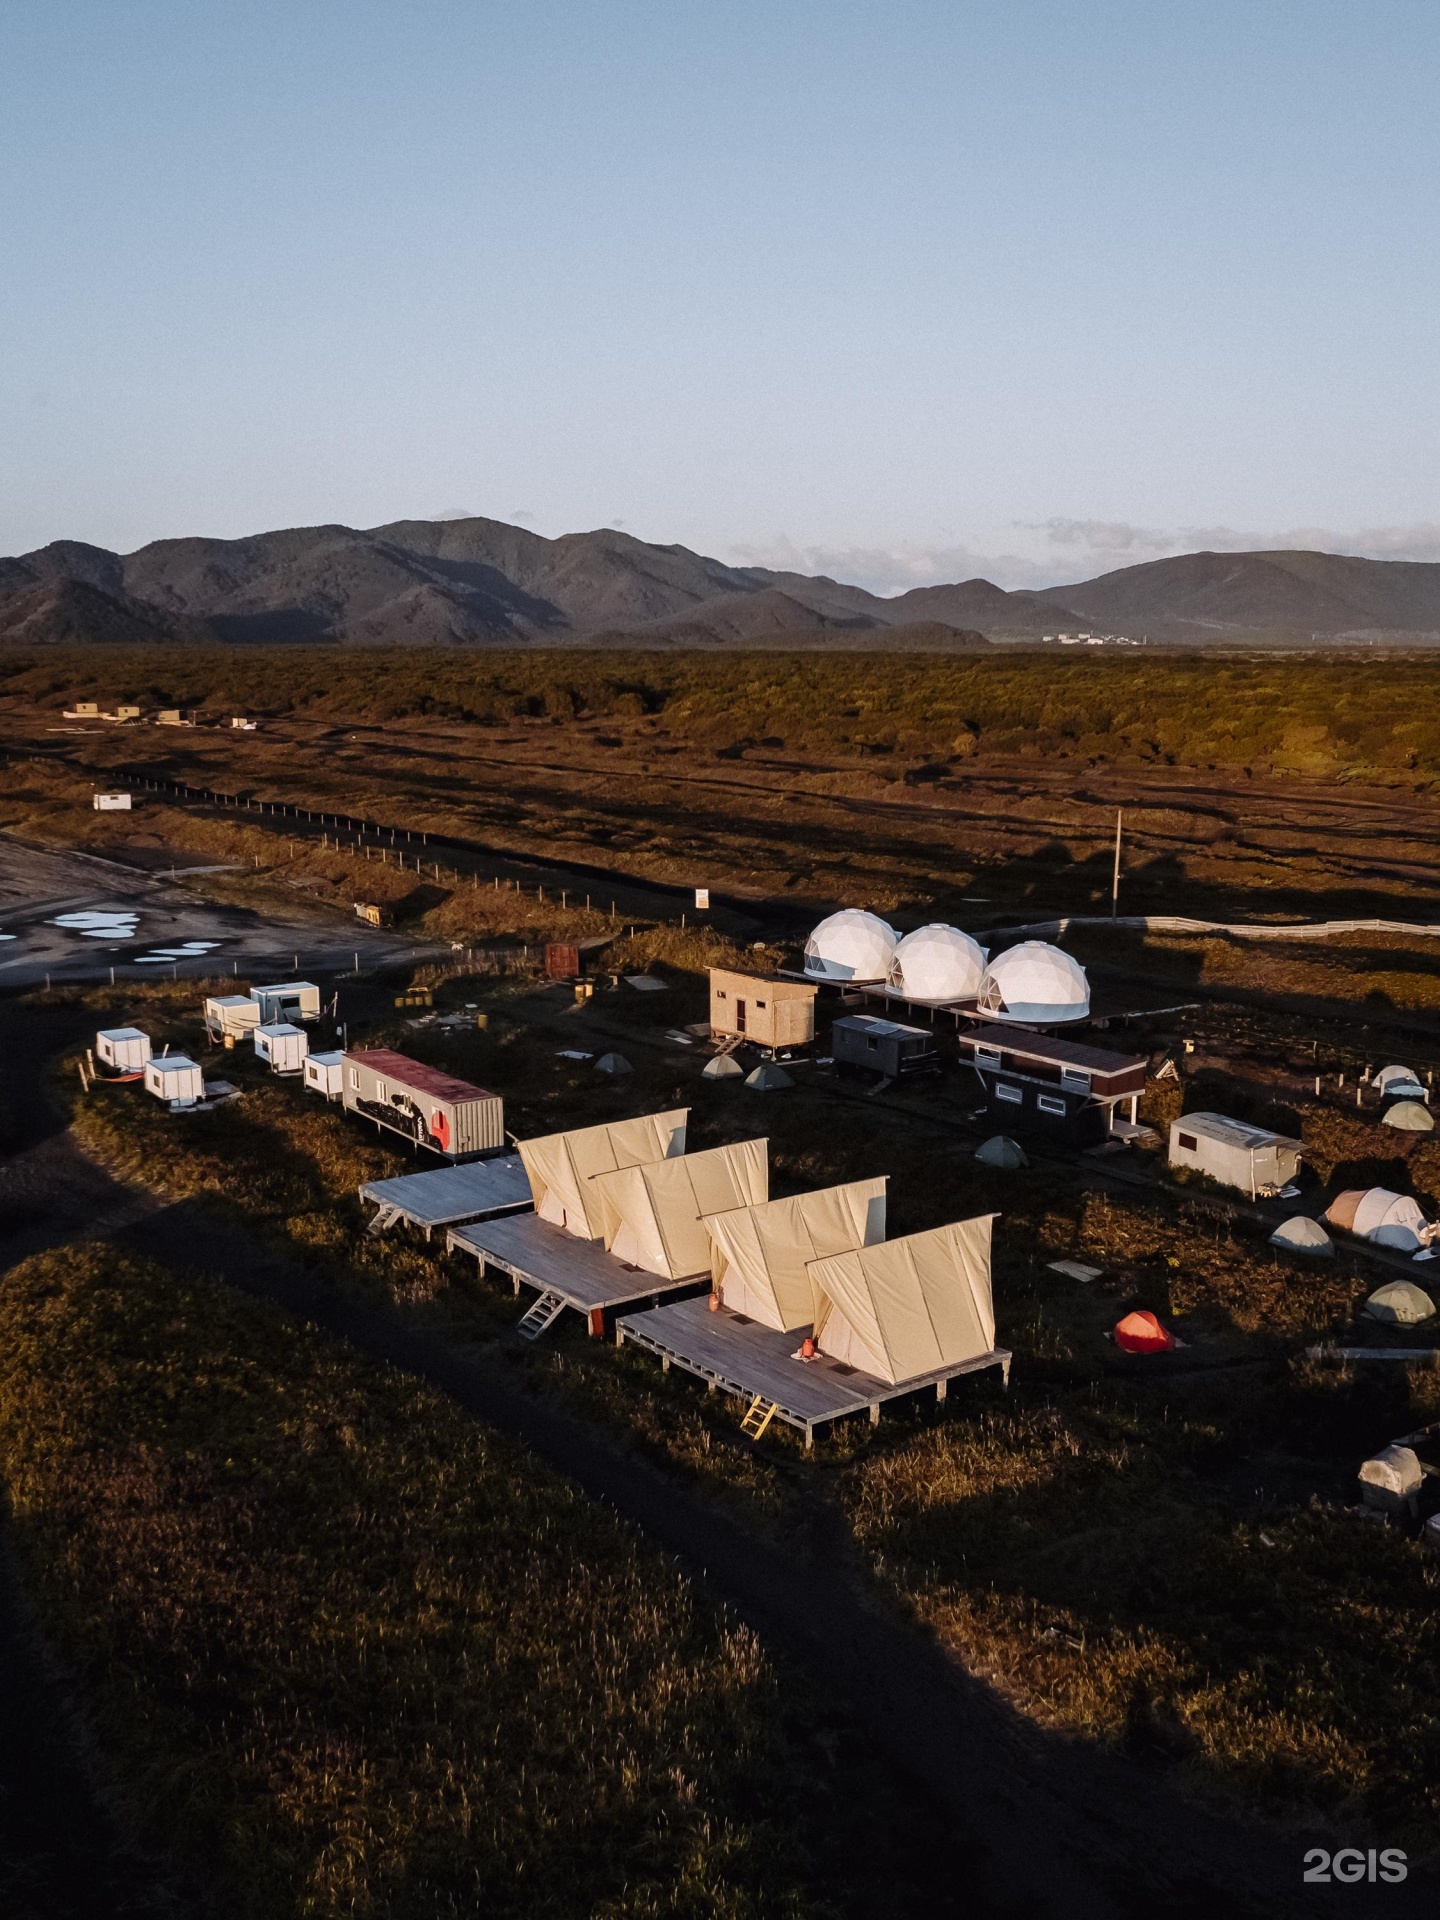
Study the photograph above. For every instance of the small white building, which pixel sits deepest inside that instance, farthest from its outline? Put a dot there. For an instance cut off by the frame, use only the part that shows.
(232, 1015)
(323, 1074)
(289, 1000)
(1234, 1153)
(283, 1046)
(241, 724)
(112, 802)
(175, 1078)
(122, 1049)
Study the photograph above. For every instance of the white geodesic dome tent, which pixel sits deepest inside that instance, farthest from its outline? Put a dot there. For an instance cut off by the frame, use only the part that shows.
(850, 945)
(1035, 982)
(937, 964)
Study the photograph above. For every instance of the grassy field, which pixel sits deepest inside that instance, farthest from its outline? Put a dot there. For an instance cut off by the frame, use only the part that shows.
(345, 1653)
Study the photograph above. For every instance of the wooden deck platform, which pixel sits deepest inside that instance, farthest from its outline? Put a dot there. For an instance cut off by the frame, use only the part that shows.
(737, 1355)
(579, 1272)
(444, 1196)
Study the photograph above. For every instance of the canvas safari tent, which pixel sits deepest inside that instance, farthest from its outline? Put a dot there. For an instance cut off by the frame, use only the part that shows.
(759, 1255)
(908, 1308)
(560, 1166)
(653, 1216)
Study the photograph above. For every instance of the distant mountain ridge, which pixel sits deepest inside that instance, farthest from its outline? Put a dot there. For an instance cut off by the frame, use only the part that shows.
(483, 582)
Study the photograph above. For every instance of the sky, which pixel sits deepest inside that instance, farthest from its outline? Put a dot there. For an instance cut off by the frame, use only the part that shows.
(900, 293)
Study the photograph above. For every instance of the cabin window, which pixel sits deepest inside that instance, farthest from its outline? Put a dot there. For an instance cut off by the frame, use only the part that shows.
(987, 1056)
(1015, 1095)
(1187, 1143)
(1075, 1079)
(1048, 1103)
(871, 1042)
(379, 1089)
(720, 993)
(760, 1003)
(354, 1077)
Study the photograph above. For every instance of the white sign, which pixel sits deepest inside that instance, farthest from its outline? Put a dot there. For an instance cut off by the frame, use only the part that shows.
(702, 897)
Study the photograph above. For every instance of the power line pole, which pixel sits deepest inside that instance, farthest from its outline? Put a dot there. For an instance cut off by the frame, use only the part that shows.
(1115, 882)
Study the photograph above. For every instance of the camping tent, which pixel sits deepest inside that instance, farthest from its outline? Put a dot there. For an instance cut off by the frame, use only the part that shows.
(850, 946)
(1409, 1116)
(759, 1254)
(908, 1308)
(1141, 1332)
(613, 1063)
(937, 964)
(1375, 1213)
(1001, 1151)
(560, 1164)
(723, 1067)
(768, 1077)
(653, 1216)
(1401, 1303)
(1035, 981)
(1301, 1234)
(1390, 1081)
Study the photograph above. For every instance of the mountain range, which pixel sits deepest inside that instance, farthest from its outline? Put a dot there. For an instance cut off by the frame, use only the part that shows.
(478, 582)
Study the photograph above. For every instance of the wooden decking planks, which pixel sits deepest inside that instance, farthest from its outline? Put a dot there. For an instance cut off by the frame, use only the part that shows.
(538, 1255)
(444, 1196)
(740, 1356)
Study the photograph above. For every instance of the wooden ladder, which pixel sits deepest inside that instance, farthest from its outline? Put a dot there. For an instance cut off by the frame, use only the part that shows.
(541, 1314)
(758, 1416)
(386, 1217)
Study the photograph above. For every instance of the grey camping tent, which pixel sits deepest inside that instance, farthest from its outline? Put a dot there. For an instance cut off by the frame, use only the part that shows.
(1301, 1234)
(1002, 1151)
(1409, 1116)
(1400, 1303)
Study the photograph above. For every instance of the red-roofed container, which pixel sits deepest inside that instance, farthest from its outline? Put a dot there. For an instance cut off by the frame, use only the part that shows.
(425, 1104)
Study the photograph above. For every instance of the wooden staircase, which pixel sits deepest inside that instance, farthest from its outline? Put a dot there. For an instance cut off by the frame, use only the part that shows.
(542, 1313)
(758, 1416)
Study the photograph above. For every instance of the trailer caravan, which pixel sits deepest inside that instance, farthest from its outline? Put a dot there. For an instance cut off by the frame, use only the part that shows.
(123, 1050)
(886, 1046)
(289, 1000)
(282, 1046)
(425, 1104)
(231, 1016)
(324, 1073)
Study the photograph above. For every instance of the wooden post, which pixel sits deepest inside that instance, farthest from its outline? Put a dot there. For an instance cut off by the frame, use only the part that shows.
(1115, 882)
(597, 1324)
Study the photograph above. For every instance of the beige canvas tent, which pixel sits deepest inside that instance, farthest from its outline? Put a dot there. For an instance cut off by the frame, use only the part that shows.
(910, 1307)
(759, 1254)
(653, 1216)
(560, 1165)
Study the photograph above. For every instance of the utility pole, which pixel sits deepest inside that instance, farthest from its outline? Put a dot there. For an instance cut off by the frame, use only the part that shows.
(1115, 882)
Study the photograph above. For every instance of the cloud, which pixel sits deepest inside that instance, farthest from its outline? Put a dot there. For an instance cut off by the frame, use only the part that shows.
(888, 570)
(454, 513)
(1118, 543)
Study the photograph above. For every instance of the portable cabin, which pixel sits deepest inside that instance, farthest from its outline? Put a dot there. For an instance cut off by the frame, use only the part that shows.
(232, 1015)
(122, 1049)
(653, 1217)
(767, 1011)
(175, 717)
(374, 913)
(240, 724)
(1234, 1153)
(425, 1104)
(561, 1166)
(290, 1000)
(284, 1047)
(175, 1078)
(83, 710)
(323, 1074)
(886, 1046)
(562, 960)
(759, 1255)
(122, 714)
(112, 802)
(1050, 1085)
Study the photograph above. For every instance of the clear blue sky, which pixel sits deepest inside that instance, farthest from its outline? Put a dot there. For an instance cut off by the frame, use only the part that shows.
(903, 290)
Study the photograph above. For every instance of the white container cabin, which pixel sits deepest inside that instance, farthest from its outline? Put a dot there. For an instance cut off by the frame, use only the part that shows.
(232, 1015)
(1234, 1153)
(282, 1046)
(323, 1074)
(289, 1000)
(176, 1079)
(122, 1049)
(112, 802)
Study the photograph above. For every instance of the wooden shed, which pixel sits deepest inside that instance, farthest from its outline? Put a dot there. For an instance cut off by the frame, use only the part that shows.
(761, 1008)
(423, 1103)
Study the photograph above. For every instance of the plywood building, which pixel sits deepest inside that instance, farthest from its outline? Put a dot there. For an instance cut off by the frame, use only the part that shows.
(762, 1009)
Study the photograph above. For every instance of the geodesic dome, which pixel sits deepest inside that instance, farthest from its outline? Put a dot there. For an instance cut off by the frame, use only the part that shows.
(1035, 982)
(850, 945)
(937, 964)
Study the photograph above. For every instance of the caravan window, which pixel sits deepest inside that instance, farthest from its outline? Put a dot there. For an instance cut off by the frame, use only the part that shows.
(1187, 1142)
(1075, 1079)
(1048, 1103)
(379, 1089)
(354, 1076)
(987, 1056)
(871, 1041)
(1015, 1095)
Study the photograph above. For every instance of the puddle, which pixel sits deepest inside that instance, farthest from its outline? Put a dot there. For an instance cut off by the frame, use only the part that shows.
(96, 924)
(166, 956)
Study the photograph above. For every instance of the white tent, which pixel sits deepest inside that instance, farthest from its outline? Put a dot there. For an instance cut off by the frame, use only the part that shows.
(937, 964)
(1035, 981)
(1401, 1303)
(1390, 1080)
(1409, 1116)
(1301, 1234)
(850, 945)
(560, 1165)
(654, 1216)
(759, 1254)
(911, 1307)
(1375, 1213)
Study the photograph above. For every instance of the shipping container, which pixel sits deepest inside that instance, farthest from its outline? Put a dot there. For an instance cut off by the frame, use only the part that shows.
(423, 1103)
